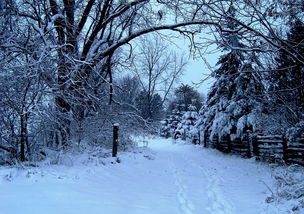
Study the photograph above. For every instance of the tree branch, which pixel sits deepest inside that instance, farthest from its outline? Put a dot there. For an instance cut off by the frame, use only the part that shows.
(84, 17)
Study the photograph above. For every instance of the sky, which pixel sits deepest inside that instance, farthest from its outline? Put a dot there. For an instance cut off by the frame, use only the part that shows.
(196, 69)
(195, 72)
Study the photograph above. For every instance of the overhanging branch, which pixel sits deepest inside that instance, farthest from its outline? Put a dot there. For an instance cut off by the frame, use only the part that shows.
(153, 29)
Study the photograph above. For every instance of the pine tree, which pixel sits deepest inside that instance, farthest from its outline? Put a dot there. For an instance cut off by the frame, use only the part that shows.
(186, 127)
(169, 125)
(234, 99)
(165, 128)
(185, 95)
(288, 80)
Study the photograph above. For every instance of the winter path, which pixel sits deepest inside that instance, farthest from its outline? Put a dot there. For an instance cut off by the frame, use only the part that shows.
(165, 178)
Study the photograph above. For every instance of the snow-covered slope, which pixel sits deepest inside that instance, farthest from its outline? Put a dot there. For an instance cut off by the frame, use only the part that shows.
(165, 178)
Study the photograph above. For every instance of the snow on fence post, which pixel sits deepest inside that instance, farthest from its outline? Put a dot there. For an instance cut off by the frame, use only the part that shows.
(115, 139)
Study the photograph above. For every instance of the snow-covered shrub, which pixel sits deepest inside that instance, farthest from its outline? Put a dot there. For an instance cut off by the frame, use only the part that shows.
(289, 191)
(7, 157)
(296, 132)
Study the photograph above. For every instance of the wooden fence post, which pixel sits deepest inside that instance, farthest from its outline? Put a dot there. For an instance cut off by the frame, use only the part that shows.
(115, 140)
(228, 143)
(205, 139)
(217, 142)
(255, 146)
(199, 137)
(249, 145)
(285, 149)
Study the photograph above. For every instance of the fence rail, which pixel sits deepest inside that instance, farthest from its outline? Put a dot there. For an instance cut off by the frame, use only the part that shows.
(269, 148)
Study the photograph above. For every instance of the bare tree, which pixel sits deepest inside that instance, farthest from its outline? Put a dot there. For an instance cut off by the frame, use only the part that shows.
(158, 67)
(23, 62)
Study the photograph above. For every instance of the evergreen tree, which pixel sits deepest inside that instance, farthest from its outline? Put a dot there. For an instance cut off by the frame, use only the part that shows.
(186, 127)
(287, 82)
(234, 100)
(185, 96)
(169, 125)
(165, 128)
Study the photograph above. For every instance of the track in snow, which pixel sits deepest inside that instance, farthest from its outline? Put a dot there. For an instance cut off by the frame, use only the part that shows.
(185, 203)
(210, 193)
(209, 182)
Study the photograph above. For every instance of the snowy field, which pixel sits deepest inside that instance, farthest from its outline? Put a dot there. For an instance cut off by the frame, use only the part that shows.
(164, 178)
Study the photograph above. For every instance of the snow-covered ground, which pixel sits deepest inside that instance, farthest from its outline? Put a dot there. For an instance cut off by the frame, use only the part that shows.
(164, 178)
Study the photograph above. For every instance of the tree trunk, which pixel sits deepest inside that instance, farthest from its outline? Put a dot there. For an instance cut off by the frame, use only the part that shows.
(23, 135)
(63, 121)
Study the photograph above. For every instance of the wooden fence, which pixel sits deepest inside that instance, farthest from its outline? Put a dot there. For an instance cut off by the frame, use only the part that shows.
(269, 148)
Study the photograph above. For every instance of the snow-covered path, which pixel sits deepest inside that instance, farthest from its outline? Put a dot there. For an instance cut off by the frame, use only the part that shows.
(165, 179)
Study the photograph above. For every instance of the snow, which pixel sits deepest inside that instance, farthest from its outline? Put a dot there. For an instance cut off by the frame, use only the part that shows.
(57, 16)
(221, 125)
(166, 177)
